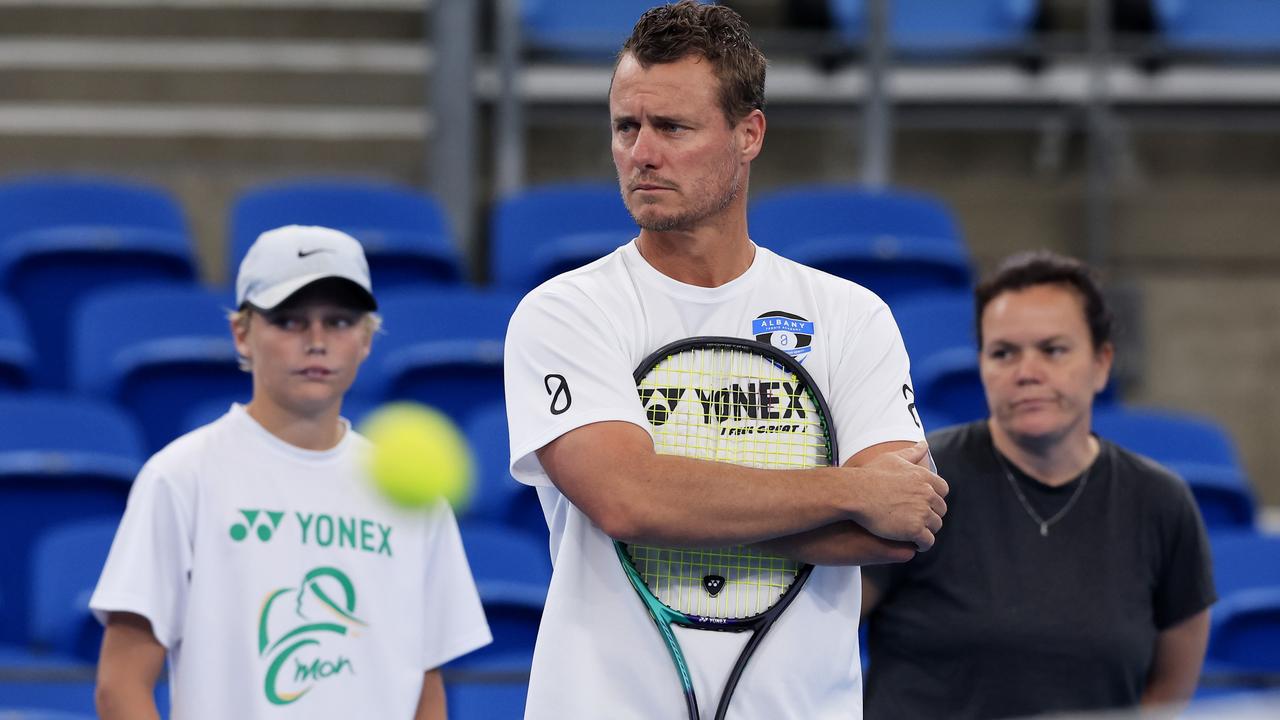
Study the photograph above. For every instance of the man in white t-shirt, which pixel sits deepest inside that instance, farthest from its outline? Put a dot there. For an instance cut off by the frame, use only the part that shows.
(254, 554)
(685, 107)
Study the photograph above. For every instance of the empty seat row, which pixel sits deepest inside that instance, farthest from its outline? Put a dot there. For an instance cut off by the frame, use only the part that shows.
(62, 238)
(923, 29)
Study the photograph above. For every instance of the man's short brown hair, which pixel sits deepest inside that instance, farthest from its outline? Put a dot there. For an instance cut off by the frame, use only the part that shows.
(668, 33)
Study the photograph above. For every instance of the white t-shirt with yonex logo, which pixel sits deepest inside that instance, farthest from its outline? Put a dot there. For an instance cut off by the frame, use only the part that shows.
(282, 585)
(572, 347)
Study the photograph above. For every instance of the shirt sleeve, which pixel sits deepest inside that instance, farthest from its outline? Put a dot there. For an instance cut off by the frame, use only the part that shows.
(148, 569)
(564, 368)
(871, 396)
(1184, 583)
(455, 623)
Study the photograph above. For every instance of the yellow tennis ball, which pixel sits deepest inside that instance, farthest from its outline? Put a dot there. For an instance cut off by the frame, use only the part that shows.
(418, 456)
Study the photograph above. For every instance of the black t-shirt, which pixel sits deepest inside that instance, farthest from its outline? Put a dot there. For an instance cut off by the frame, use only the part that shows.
(998, 620)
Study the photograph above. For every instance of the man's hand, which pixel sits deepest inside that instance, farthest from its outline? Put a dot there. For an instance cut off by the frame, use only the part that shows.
(899, 498)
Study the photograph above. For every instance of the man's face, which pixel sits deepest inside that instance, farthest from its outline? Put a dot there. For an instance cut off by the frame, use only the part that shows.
(680, 163)
(1038, 363)
(304, 354)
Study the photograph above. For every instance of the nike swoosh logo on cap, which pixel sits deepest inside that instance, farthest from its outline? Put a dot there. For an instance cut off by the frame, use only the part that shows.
(305, 253)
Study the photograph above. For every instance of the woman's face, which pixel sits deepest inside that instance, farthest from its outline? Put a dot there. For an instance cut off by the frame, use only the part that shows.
(1038, 363)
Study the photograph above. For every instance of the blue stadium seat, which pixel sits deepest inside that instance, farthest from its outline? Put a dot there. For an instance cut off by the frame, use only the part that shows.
(61, 459)
(157, 350)
(938, 331)
(56, 691)
(206, 411)
(499, 498)
(932, 29)
(544, 231)
(1246, 564)
(949, 383)
(512, 571)
(62, 237)
(892, 242)
(17, 357)
(932, 322)
(934, 421)
(1234, 27)
(491, 695)
(65, 564)
(405, 233)
(1167, 436)
(24, 713)
(1245, 560)
(1245, 634)
(441, 347)
(582, 29)
(1194, 447)
(1222, 493)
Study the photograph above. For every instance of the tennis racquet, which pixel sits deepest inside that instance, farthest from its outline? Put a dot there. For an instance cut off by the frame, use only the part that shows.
(742, 402)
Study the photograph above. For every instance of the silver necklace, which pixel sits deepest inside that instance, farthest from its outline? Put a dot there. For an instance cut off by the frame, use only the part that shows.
(1042, 522)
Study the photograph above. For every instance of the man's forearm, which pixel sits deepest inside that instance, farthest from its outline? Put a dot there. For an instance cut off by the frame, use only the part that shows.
(843, 543)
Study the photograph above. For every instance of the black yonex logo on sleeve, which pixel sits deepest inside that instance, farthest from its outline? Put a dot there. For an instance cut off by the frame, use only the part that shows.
(910, 396)
(558, 388)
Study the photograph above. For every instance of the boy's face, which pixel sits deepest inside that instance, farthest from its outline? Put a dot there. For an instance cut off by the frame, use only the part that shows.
(305, 352)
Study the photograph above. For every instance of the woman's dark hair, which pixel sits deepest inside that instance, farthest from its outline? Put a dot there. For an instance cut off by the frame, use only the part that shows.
(668, 33)
(1042, 267)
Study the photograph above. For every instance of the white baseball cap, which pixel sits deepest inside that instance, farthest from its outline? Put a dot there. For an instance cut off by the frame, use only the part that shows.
(285, 260)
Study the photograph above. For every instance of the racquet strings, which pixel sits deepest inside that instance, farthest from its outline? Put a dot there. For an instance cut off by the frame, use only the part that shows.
(728, 405)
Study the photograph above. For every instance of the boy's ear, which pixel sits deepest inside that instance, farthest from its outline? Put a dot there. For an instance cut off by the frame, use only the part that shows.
(368, 345)
(240, 333)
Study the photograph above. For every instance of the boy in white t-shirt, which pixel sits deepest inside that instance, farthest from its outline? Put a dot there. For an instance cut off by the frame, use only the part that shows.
(255, 556)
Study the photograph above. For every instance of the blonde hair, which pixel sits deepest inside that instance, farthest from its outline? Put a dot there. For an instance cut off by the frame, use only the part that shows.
(240, 318)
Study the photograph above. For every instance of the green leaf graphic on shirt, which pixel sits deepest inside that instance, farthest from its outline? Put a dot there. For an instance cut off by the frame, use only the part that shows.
(323, 590)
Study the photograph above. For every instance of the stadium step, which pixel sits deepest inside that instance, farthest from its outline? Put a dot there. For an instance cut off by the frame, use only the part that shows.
(348, 19)
(238, 69)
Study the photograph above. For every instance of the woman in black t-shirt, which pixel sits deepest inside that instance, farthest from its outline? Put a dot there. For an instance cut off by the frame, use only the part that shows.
(1070, 574)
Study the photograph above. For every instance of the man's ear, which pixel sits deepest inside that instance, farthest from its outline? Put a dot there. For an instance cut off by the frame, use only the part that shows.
(750, 135)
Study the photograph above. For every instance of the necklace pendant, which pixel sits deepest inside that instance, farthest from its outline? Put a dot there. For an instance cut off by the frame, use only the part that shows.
(1044, 529)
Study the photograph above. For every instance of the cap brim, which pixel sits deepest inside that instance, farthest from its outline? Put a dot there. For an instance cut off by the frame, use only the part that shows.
(273, 296)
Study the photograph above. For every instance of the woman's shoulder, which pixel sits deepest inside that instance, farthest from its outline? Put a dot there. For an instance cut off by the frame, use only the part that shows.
(1150, 482)
(1139, 469)
(959, 440)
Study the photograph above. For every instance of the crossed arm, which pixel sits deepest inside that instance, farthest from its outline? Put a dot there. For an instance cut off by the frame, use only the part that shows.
(881, 506)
